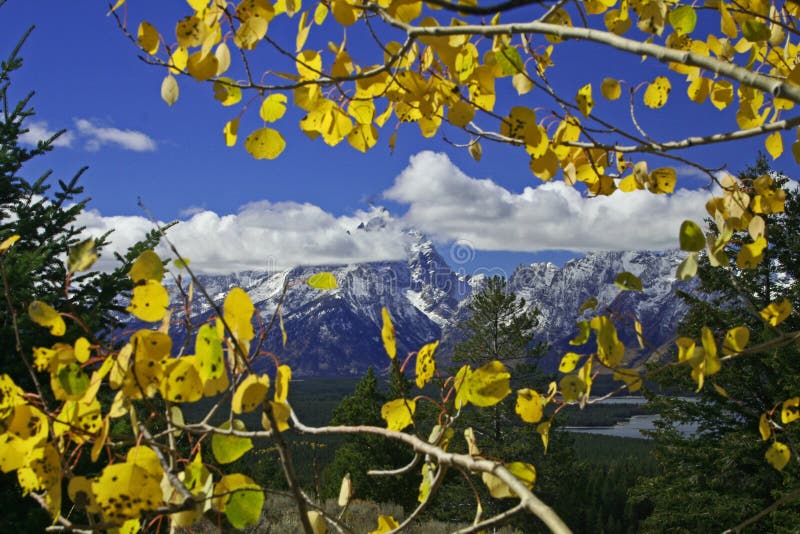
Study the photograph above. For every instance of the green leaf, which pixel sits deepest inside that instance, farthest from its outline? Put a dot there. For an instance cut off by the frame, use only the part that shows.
(691, 237)
(228, 449)
(628, 282)
(243, 500)
(755, 30)
(683, 19)
(73, 379)
(324, 280)
(509, 60)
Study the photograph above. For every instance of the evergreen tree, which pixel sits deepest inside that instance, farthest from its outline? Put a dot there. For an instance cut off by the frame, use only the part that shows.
(363, 452)
(717, 477)
(34, 268)
(500, 327)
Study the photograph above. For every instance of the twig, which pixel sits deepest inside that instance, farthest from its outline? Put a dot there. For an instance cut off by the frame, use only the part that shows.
(494, 520)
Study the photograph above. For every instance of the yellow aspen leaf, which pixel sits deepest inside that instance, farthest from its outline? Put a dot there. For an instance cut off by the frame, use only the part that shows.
(570, 360)
(757, 227)
(320, 14)
(197, 5)
(545, 167)
(231, 131)
(582, 337)
(273, 107)
(385, 524)
(116, 5)
(560, 17)
(44, 315)
(265, 143)
(283, 375)
(429, 125)
(618, 21)
(345, 491)
(148, 266)
(571, 387)
(631, 378)
(255, 9)
(472, 442)
(178, 60)
(229, 448)
(751, 254)
(317, 522)
(82, 349)
(662, 180)
(466, 62)
(628, 282)
(518, 121)
(7, 243)
(82, 256)
(144, 457)
(126, 491)
(223, 55)
(543, 429)
(387, 334)
(476, 151)
(363, 137)
(529, 405)
(290, 7)
(344, 12)
(691, 237)
(208, 349)
(250, 32)
(169, 89)
(790, 410)
(79, 491)
(362, 111)
(688, 267)
(736, 340)
(282, 414)
(148, 38)
(149, 301)
(778, 455)
(43, 474)
(460, 114)
(522, 83)
(611, 89)
(699, 90)
(425, 365)
(584, 99)
(610, 349)
(324, 280)
(201, 67)
(398, 413)
(181, 381)
(488, 385)
(637, 326)
(250, 393)
(191, 31)
(777, 312)
(652, 17)
(500, 490)
(309, 65)
(727, 24)
(405, 10)
(227, 92)
(774, 144)
(242, 500)
(427, 480)
(721, 94)
(26, 430)
(657, 92)
(720, 390)
(764, 427)
(238, 312)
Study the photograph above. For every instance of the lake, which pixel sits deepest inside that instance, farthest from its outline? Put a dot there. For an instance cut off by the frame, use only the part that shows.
(629, 428)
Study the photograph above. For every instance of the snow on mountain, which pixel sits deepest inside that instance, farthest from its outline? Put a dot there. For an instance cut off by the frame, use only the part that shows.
(337, 332)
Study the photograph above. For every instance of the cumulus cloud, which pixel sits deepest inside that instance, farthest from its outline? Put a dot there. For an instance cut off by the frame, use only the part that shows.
(39, 131)
(97, 136)
(263, 236)
(449, 205)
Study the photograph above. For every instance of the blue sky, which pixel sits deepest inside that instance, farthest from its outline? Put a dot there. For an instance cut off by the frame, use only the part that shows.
(236, 211)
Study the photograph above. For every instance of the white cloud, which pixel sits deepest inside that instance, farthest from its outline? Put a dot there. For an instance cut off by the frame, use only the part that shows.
(39, 131)
(449, 205)
(97, 136)
(262, 236)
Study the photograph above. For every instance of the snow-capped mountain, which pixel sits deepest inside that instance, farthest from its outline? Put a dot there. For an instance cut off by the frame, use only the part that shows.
(337, 332)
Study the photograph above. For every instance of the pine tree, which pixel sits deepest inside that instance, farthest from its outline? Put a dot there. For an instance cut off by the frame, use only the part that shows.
(34, 269)
(736, 482)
